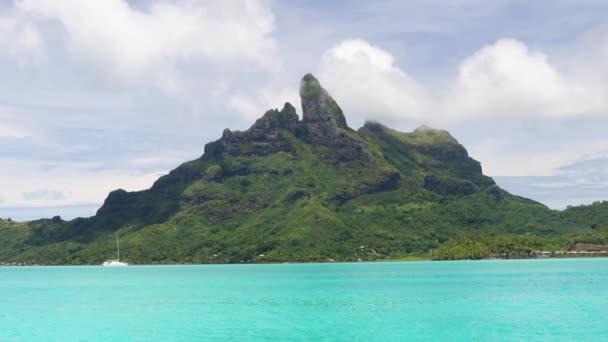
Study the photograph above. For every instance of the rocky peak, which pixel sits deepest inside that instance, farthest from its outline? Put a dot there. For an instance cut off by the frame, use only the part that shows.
(320, 112)
(274, 119)
(262, 138)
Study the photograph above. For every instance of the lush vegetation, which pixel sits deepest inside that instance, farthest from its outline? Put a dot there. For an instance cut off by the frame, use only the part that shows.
(478, 246)
(270, 194)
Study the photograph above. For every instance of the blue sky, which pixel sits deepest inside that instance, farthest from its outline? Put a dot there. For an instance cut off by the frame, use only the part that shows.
(99, 95)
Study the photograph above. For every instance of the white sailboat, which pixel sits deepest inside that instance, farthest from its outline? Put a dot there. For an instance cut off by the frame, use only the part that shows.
(117, 261)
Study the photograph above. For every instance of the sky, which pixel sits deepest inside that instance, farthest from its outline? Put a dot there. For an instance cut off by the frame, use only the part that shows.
(100, 95)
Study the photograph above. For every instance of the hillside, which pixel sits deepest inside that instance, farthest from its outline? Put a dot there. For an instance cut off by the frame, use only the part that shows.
(309, 190)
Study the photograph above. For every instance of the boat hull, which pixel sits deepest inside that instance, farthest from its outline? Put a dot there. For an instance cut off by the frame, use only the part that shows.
(114, 263)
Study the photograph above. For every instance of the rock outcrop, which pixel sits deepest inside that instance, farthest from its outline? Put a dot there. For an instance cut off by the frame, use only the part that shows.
(449, 185)
(273, 120)
(323, 123)
(322, 116)
(262, 138)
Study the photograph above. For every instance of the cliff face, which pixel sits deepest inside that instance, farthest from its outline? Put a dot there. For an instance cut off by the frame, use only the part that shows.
(322, 116)
(294, 190)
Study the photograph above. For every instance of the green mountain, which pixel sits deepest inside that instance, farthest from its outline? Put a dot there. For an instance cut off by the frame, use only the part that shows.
(311, 190)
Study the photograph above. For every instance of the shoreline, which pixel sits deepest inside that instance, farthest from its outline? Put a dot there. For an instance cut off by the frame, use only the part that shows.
(421, 259)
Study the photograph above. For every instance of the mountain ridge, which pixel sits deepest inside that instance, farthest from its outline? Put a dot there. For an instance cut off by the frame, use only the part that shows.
(305, 190)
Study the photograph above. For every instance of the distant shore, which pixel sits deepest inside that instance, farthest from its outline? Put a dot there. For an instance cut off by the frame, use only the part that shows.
(533, 255)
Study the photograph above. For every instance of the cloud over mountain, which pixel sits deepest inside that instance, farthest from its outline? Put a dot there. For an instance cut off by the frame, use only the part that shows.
(505, 79)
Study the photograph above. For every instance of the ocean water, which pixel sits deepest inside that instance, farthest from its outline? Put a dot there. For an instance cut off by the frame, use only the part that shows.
(502, 300)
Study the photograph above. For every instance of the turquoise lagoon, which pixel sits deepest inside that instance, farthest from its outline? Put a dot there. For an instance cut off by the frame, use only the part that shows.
(499, 300)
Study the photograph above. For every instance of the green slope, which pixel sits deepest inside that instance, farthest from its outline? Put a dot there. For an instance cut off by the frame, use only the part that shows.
(310, 190)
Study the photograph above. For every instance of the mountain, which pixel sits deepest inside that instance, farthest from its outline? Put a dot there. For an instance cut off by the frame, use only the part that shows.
(311, 190)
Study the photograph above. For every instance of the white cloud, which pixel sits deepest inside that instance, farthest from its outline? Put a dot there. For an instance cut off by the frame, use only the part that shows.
(158, 43)
(505, 79)
(508, 79)
(366, 82)
(274, 95)
(21, 40)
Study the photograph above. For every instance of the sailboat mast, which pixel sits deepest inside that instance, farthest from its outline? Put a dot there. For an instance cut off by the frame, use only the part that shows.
(117, 247)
